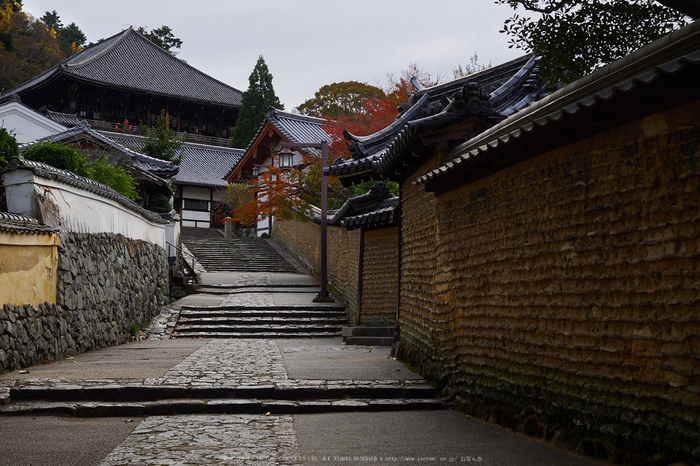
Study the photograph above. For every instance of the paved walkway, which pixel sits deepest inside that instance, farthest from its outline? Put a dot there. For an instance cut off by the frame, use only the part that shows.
(225, 366)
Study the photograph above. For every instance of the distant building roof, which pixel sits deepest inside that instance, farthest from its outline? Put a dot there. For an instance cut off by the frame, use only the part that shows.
(291, 127)
(201, 165)
(142, 161)
(131, 62)
(491, 94)
(298, 128)
(374, 209)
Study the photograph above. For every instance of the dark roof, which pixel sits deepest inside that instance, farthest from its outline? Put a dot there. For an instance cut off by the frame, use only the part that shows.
(672, 55)
(47, 171)
(16, 223)
(66, 119)
(293, 128)
(298, 128)
(491, 95)
(201, 165)
(131, 62)
(147, 168)
(376, 208)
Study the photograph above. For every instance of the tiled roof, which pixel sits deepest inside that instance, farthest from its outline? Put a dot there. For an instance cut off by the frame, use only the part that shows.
(129, 61)
(149, 167)
(376, 208)
(672, 54)
(492, 95)
(16, 223)
(298, 128)
(66, 119)
(47, 171)
(201, 165)
(293, 128)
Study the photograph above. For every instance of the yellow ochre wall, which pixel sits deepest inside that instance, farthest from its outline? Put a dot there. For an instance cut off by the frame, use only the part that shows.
(28, 265)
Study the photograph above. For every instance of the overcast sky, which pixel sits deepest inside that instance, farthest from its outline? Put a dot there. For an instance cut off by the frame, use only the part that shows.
(306, 43)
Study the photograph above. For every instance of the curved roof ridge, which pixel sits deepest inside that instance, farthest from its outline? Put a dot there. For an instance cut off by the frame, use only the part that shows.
(106, 45)
(296, 116)
(492, 70)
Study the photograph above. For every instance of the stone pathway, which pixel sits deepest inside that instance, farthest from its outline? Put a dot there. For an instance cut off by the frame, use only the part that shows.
(203, 440)
(230, 363)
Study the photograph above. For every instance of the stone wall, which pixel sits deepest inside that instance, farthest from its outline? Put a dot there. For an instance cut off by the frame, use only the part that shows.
(380, 277)
(106, 284)
(565, 291)
(303, 240)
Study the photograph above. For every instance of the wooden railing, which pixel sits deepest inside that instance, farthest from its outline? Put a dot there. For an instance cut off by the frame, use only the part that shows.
(135, 129)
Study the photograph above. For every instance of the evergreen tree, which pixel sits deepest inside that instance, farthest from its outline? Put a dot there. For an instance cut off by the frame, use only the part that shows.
(52, 20)
(256, 100)
(161, 142)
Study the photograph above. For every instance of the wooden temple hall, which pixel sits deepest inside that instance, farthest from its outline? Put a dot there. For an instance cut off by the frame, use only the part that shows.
(125, 81)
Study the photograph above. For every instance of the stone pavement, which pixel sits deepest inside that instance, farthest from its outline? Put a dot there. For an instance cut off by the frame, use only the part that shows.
(242, 401)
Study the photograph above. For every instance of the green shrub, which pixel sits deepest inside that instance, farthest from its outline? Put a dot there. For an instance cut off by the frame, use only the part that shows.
(59, 156)
(114, 177)
(67, 158)
(8, 147)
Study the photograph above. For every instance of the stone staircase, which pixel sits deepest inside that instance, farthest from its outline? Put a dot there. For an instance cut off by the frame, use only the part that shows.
(216, 253)
(132, 398)
(288, 321)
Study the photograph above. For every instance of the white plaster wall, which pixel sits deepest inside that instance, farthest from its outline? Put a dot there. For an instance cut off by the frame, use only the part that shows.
(172, 236)
(195, 215)
(26, 124)
(193, 192)
(75, 209)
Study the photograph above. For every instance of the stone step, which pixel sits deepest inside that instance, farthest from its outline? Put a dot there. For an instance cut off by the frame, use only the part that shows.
(368, 332)
(217, 406)
(373, 336)
(336, 322)
(137, 392)
(369, 341)
(262, 313)
(254, 334)
(218, 253)
(268, 328)
(276, 308)
(258, 334)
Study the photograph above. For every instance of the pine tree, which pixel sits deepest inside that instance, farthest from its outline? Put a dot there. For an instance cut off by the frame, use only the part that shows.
(256, 100)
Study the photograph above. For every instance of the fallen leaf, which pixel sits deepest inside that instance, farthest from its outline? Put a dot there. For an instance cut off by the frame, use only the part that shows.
(128, 421)
(24, 372)
(368, 351)
(398, 370)
(268, 413)
(46, 361)
(68, 357)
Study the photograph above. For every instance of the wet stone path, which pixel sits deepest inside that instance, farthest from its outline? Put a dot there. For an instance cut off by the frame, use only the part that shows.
(229, 363)
(210, 439)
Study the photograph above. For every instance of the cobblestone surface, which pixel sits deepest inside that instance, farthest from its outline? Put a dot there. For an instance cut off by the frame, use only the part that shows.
(230, 363)
(253, 299)
(162, 326)
(206, 439)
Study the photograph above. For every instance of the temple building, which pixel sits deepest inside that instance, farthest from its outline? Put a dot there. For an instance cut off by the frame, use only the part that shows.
(278, 127)
(126, 80)
(100, 97)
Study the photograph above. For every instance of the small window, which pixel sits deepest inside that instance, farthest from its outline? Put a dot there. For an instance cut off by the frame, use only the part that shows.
(193, 204)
